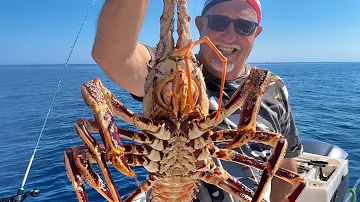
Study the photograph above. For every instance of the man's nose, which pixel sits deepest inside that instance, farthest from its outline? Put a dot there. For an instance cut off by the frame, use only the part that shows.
(229, 34)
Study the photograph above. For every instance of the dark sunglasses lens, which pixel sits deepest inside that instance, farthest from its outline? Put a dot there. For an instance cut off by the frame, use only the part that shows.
(218, 23)
(245, 28)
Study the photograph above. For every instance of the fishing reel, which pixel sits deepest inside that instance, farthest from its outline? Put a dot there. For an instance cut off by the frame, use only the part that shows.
(20, 196)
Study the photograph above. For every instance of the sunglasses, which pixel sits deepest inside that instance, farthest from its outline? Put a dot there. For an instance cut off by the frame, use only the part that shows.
(220, 23)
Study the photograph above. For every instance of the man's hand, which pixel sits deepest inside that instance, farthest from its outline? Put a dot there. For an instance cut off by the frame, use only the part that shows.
(280, 188)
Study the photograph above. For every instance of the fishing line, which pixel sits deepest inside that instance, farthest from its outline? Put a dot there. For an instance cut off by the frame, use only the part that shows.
(53, 99)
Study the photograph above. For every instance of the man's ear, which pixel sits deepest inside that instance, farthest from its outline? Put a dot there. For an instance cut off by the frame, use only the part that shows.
(199, 22)
(259, 29)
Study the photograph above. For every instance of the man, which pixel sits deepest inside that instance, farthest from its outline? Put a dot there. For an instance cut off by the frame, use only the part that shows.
(232, 25)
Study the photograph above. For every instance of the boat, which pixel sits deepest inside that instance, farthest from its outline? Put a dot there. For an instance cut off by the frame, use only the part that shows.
(324, 166)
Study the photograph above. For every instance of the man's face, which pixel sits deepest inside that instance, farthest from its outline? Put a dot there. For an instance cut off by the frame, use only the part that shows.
(234, 47)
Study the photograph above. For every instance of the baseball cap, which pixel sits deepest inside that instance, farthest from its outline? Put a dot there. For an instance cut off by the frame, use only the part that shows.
(254, 3)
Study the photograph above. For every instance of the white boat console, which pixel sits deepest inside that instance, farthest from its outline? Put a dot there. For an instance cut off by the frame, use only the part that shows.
(326, 178)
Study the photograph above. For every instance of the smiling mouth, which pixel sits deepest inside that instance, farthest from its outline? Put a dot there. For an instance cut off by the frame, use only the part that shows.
(226, 49)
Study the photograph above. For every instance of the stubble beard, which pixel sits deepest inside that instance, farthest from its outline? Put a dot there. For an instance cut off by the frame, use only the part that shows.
(217, 65)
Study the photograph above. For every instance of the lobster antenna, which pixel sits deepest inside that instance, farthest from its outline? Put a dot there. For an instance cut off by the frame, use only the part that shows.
(21, 189)
(183, 25)
(166, 43)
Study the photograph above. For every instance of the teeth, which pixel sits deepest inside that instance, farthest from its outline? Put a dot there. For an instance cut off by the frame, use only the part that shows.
(227, 49)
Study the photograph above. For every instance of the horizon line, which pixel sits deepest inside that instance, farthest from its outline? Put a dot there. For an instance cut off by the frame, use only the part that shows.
(58, 64)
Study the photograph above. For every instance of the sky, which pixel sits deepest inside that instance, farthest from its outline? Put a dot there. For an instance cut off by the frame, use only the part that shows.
(43, 31)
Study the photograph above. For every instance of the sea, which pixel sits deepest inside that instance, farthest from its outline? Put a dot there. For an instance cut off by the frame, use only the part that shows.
(324, 98)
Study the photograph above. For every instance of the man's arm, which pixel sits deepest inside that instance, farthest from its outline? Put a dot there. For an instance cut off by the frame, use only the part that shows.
(280, 188)
(116, 49)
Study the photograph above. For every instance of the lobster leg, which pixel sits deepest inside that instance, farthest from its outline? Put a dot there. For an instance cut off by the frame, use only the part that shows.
(229, 184)
(219, 177)
(259, 83)
(256, 84)
(98, 153)
(144, 187)
(278, 142)
(139, 160)
(148, 139)
(144, 138)
(143, 150)
(272, 165)
(74, 176)
(222, 135)
(220, 173)
(110, 142)
(275, 140)
(286, 175)
(95, 93)
(78, 166)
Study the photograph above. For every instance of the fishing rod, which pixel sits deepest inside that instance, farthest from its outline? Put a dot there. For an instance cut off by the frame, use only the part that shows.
(20, 196)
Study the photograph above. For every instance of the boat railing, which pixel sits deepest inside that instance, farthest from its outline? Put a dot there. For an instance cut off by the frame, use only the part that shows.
(350, 195)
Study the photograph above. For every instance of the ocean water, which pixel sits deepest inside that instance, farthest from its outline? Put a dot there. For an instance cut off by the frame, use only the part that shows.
(324, 98)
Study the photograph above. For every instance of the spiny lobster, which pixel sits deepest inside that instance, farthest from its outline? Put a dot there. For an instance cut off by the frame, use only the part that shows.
(176, 144)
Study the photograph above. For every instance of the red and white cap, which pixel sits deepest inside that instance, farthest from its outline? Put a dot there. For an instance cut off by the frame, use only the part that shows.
(254, 3)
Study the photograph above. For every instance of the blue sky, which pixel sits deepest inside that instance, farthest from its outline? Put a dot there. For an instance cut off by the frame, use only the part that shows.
(42, 31)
